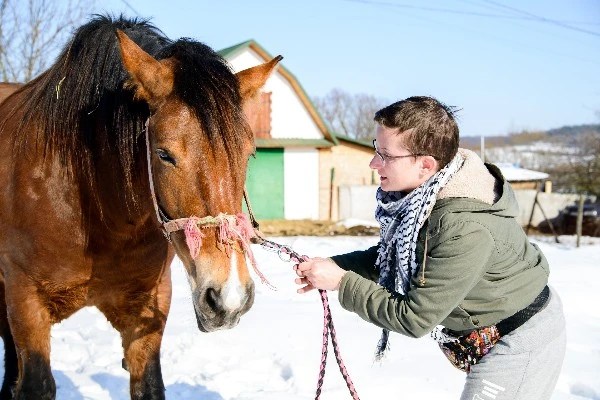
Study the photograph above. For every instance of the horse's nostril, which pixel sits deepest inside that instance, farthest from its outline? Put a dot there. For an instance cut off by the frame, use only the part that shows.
(212, 299)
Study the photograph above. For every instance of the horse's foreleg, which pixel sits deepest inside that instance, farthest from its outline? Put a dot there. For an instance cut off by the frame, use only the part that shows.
(141, 345)
(141, 324)
(11, 368)
(142, 356)
(11, 364)
(30, 325)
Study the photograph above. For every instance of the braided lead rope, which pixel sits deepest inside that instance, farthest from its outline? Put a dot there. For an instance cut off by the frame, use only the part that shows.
(287, 254)
(336, 349)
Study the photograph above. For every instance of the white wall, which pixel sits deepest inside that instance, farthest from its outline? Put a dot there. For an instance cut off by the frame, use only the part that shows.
(289, 117)
(357, 202)
(301, 183)
(552, 204)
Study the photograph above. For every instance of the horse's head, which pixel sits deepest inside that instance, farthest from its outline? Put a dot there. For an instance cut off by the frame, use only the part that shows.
(199, 144)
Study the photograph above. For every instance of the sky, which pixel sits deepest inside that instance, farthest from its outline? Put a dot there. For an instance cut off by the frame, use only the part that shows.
(508, 65)
(274, 353)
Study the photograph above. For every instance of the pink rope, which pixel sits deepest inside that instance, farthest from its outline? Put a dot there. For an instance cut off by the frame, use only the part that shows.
(328, 328)
(232, 229)
(239, 229)
(193, 236)
(247, 232)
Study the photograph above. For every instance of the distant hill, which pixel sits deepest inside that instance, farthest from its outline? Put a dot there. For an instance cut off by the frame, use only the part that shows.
(570, 155)
(527, 137)
(574, 130)
(474, 142)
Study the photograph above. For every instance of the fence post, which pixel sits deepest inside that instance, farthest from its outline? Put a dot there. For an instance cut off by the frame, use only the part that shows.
(331, 180)
(532, 211)
(579, 225)
(537, 202)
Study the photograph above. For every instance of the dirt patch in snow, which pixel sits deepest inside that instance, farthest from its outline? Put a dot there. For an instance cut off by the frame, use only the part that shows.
(313, 228)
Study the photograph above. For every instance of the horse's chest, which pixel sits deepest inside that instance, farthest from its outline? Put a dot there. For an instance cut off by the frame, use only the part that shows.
(115, 286)
(62, 301)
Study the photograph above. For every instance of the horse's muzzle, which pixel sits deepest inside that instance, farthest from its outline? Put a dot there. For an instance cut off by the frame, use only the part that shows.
(214, 311)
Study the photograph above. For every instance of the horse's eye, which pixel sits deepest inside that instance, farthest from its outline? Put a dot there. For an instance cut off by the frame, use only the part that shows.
(165, 156)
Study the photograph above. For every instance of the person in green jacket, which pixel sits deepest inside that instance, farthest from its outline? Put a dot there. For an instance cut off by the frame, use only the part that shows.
(452, 260)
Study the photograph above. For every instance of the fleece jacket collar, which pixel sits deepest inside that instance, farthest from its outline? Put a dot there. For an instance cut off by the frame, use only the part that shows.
(477, 187)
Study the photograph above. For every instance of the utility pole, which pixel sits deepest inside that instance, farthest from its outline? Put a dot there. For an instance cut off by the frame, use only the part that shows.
(482, 148)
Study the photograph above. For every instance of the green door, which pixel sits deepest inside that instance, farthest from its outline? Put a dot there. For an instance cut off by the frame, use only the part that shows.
(265, 183)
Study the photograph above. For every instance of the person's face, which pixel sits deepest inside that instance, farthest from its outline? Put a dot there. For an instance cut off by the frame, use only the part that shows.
(398, 169)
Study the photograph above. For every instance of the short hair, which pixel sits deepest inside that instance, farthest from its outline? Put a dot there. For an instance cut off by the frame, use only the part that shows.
(429, 125)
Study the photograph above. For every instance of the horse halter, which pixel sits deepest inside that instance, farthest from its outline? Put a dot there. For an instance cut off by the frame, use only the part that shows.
(232, 228)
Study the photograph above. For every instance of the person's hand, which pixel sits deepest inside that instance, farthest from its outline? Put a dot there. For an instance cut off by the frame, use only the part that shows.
(318, 273)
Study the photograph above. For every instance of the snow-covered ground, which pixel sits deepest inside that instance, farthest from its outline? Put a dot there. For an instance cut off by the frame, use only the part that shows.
(274, 352)
(539, 155)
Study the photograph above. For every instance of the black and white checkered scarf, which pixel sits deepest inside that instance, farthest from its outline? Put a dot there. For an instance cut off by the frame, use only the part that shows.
(401, 216)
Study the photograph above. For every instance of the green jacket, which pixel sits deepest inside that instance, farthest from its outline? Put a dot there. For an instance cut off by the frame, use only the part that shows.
(480, 267)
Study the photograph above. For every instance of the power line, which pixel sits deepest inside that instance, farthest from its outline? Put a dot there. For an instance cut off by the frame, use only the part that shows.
(131, 8)
(495, 8)
(437, 9)
(526, 16)
(542, 19)
(503, 40)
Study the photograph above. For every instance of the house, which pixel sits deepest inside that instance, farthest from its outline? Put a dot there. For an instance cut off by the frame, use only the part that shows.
(521, 178)
(299, 161)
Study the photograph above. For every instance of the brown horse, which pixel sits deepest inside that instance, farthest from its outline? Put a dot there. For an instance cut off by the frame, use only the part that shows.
(6, 89)
(78, 220)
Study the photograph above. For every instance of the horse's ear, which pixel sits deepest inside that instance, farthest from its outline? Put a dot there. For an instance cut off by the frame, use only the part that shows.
(153, 80)
(252, 79)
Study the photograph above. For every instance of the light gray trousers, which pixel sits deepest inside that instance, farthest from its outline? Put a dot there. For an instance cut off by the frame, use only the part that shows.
(524, 364)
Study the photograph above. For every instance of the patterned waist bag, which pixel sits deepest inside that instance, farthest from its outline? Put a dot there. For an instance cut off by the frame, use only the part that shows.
(466, 350)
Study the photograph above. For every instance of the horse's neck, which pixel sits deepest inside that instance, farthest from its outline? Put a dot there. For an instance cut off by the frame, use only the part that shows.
(118, 201)
(37, 175)
(6, 89)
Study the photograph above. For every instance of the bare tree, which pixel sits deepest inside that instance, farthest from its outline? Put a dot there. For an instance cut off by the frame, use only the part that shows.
(581, 171)
(31, 32)
(348, 114)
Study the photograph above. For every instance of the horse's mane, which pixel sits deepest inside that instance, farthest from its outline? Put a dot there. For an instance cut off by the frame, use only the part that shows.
(81, 106)
(78, 106)
(215, 98)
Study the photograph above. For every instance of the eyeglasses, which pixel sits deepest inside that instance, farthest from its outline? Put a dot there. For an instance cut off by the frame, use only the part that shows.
(387, 158)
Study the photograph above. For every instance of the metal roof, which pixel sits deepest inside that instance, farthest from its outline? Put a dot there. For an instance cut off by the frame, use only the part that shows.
(514, 173)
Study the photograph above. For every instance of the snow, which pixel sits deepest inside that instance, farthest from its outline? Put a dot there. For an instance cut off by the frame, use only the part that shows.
(274, 352)
(513, 173)
(351, 222)
(538, 155)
